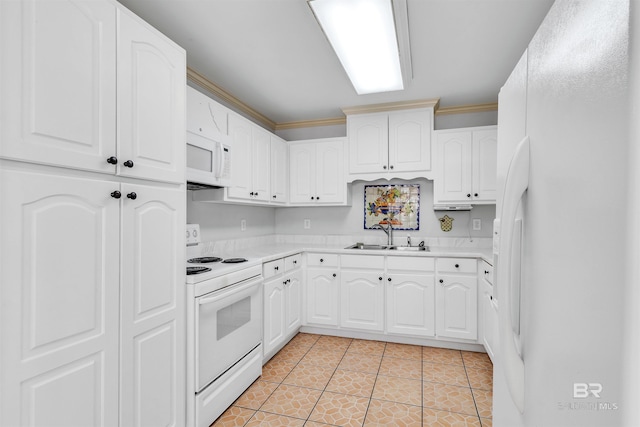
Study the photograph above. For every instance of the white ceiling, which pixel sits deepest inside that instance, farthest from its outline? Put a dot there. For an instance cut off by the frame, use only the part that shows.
(272, 55)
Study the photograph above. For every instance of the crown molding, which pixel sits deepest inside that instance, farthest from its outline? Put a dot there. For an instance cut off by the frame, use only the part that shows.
(207, 84)
(434, 103)
(462, 109)
(312, 123)
(392, 106)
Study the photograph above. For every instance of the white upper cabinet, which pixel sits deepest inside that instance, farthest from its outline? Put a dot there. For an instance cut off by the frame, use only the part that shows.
(250, 161)
(58, 81)
(484, 167)
(279, 171)
(61, 76)
(317, 172)
(205, 116)
(368, 143)
(151, 112)
(410, 140)
(390, 144)
(466, 166)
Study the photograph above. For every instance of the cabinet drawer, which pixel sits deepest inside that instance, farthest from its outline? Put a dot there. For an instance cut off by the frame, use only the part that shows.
(322, 260)
(457, 265)
(486, 271)
(403, 263)
(273, 268)
(292, 262)
(375, 262)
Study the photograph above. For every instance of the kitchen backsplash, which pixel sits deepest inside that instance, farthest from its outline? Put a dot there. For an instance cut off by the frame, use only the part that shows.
(234, 246)
(220, 222)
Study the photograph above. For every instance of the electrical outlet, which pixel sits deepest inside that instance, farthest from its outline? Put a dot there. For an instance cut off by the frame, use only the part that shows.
(243, 225)
(477, 224)
(307, 224)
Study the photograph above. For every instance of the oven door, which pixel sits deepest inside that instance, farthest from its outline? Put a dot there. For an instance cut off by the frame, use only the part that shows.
(228, 326)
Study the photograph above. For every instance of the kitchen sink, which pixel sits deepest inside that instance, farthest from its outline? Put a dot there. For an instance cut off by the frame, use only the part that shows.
(387, 247)
(409, 248)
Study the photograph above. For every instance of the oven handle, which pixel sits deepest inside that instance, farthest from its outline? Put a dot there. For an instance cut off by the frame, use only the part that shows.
(239, 290)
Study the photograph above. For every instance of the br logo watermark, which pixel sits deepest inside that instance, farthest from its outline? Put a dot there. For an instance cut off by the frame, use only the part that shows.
(584, 390)
(584, 395)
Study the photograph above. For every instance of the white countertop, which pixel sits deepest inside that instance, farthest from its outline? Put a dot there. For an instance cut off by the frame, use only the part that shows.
(270, 252)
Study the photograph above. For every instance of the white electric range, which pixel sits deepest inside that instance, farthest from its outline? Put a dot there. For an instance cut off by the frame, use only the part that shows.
(224, 330)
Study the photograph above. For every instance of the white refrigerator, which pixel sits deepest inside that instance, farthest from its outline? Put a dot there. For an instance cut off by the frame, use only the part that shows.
(567, 230)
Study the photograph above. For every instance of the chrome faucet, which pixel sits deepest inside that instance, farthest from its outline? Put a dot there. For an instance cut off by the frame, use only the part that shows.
(388, 231)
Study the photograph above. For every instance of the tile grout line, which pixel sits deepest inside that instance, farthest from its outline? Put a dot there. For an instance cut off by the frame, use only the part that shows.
(279, 383)
(366, 412)
(325, 386)
(471, 389)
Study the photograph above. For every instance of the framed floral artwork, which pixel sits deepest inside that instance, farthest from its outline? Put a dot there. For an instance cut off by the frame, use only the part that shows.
(398, 204)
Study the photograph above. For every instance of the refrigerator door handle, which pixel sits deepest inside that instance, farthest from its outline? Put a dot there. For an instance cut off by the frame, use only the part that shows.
(517, 182)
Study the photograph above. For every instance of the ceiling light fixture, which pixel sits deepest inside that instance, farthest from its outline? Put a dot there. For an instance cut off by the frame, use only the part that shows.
(363, 36)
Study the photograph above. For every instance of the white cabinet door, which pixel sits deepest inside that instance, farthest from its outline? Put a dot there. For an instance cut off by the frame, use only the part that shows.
(453, 181)
(205, 117)
(485, 165)
(321, 296)
(456, 299)
(58, 83)
(274, 313)
(302, 172)
(467, 166)
(240, 131)
(368, 143)
(489, 320)
(293, 301)
(330, 179)
(59, 318)
(411, 304)
(151, 103)
(152, 314)
(410, 141)
(317, 172)
(250, 160)
(362, 299)
(279, 171)
(260, 164)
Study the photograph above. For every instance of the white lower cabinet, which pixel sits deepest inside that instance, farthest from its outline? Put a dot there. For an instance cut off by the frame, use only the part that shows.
(362, 300)
(321, 290)
(411, 304)
(456, 299)
(282, 301)
(92, 323)
(293, 301)
(274, 312)
(489, 309)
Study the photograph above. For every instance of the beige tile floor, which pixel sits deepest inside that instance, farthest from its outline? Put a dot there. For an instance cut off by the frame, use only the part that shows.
(321, 381)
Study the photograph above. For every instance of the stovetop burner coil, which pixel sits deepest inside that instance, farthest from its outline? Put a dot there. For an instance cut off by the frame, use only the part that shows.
(204, 260)
(234, 260)
(197, 270)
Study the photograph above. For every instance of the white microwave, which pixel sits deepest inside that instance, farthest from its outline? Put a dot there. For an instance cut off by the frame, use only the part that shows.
(208, 161)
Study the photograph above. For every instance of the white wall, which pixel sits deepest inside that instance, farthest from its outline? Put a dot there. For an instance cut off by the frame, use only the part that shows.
(349, 220)
(453, 121)
(222, 222)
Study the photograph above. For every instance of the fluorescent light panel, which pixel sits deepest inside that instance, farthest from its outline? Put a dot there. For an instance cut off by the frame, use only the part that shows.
(363, 35)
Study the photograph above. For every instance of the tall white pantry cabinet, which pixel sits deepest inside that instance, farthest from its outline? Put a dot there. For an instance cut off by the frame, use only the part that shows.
(92, 214)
